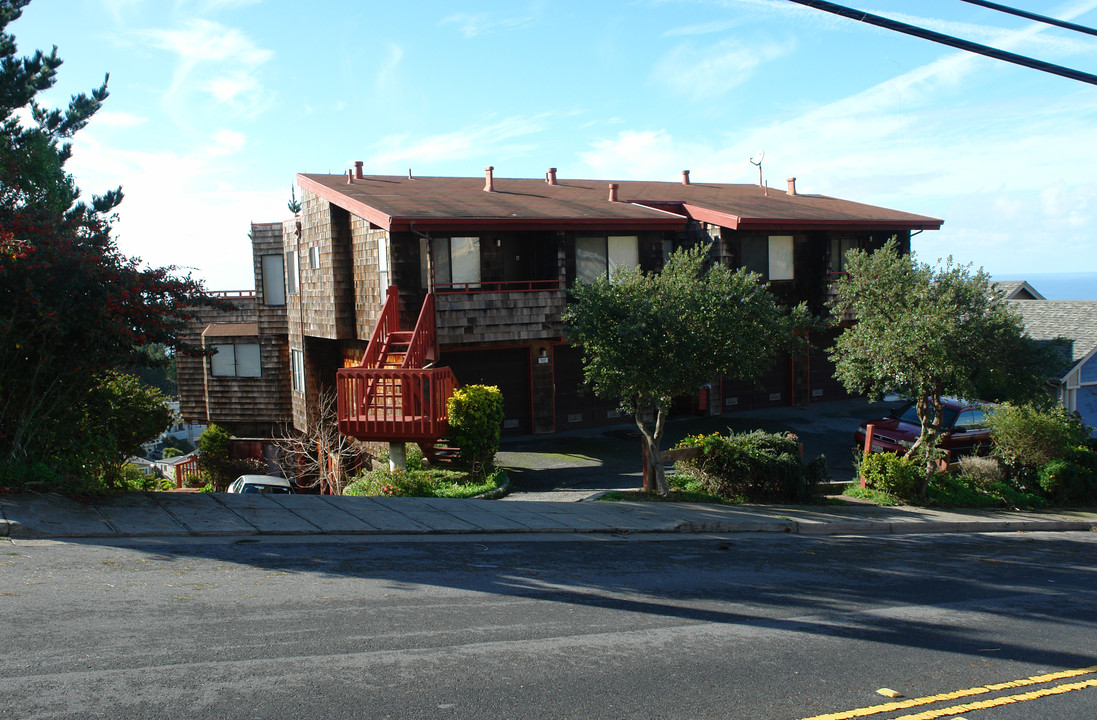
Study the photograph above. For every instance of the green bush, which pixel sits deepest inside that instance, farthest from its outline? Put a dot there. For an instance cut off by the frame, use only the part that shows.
(753, 467)
(892, 473)
(216, 465)
(476, 423)
(434, 482)
(1071, 480)
(1028, 435)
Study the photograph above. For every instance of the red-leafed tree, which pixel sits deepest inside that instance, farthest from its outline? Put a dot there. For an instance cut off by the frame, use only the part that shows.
(72, 306)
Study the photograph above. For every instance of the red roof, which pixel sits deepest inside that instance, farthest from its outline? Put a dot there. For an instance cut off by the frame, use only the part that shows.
(425, 203)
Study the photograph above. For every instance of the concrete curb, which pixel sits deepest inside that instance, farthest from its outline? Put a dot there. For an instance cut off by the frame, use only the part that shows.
(214, 515)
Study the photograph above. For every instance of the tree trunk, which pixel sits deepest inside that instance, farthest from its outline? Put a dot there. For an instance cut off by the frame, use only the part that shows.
(654, 455)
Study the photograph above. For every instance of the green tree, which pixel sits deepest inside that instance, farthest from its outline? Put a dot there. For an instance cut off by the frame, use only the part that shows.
(648, 338)
(926, 333)
(117, 416)
(71, 305)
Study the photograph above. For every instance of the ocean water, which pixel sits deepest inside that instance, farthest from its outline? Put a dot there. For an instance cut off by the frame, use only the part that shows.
(1060, 286)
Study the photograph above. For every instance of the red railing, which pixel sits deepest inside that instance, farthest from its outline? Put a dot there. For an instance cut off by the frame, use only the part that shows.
(423, 348)
(389, 322)
(394, 403)
(499, 286)
(185, 470)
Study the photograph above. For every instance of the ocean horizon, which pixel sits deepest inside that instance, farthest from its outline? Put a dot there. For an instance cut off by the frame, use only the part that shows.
(1059, 286)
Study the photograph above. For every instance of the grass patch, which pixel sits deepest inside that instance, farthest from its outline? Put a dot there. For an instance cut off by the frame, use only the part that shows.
(871, 494)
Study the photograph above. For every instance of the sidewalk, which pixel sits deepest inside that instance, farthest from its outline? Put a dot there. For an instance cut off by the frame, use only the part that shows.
(213, 514)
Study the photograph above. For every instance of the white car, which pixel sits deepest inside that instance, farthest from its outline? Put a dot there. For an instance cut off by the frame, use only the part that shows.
(261, 484)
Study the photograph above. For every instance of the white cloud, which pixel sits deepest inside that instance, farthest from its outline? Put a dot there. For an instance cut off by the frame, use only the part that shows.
(489, 139)
(700, 72)
(475, 24)
(213, 59)
(115, 119)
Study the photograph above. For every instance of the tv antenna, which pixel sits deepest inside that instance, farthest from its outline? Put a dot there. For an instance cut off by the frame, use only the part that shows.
(760, 154)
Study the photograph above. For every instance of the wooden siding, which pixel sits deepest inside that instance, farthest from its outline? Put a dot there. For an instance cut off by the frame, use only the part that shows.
(482, 317)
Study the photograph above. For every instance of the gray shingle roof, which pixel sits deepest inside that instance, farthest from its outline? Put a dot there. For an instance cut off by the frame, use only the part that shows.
(1073, 319)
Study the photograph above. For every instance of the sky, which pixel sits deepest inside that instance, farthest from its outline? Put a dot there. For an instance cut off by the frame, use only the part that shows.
(216, 105)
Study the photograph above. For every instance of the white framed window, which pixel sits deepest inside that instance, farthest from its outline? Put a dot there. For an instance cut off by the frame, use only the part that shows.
(235, 360)
(274, 280)
(297, 370)
(780, 257)
(456, 260)
(293, 277)
(771, 257)
(314, 258)
(599, 256)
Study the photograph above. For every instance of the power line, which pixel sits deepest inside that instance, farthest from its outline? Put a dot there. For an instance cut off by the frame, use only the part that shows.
(1033, 16)
(950, 40)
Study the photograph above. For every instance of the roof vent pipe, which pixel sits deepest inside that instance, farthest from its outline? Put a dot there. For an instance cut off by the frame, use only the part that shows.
(489, 181)
(409, 174)
(350, 177)
(358, 170)
(792, 186)
(613, 192)
(685, 177)
(551, 177)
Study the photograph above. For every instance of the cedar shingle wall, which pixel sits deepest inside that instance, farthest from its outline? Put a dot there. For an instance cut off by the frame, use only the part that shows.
(498, 317)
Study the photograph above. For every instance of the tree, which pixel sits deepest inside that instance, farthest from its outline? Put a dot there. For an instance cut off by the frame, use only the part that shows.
(925, 333)
(648, 338)
(117, 416)
(321, 456)
(71, 305)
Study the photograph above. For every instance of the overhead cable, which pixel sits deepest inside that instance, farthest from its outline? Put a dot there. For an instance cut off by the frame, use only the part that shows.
(1033, 16)
(950, 40)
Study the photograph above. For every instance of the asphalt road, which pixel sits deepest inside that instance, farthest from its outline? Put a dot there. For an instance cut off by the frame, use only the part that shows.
(747, 626)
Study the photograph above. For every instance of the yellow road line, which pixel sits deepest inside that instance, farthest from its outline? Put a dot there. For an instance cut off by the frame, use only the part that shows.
(996, 702)
(967, 692)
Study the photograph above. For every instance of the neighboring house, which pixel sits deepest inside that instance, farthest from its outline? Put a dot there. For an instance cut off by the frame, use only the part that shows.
(1076, 321)
(244, 384)
(1018, 290)
(484, 264)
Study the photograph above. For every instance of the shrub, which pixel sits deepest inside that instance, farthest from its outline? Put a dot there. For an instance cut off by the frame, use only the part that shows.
(981, 472)
(476, 423)
(434, 482)
(753, 467)
(893, 474)
(1071, 480)
(216, 465)
(1028, 435)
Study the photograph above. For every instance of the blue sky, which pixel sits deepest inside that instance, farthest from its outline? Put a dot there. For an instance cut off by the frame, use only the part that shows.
(216, 105)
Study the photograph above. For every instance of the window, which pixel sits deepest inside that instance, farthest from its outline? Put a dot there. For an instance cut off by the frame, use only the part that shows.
(780, 257)
(971, 419)
(235, 360)
(383, 262)
(839, 246)
(292, 276)
(771, 257)
(274, 280)
(314, 258)
(456, 260)
(600, 256)
(297, 370)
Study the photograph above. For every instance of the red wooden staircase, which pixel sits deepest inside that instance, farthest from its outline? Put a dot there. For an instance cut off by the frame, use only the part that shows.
(396, 394)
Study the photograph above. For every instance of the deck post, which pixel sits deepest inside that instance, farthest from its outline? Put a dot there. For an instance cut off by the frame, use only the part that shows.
(398, 456)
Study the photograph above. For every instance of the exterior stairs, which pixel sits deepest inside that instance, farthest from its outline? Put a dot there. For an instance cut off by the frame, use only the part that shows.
(396, 394)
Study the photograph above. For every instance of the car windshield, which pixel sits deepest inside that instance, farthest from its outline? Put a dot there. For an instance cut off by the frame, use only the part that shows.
(909, 414)
(275, 489)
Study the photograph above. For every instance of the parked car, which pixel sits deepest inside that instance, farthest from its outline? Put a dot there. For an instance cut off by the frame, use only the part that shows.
(261, 484)
(963, 432)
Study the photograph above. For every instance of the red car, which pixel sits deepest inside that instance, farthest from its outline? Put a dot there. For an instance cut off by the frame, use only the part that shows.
(963, 432)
